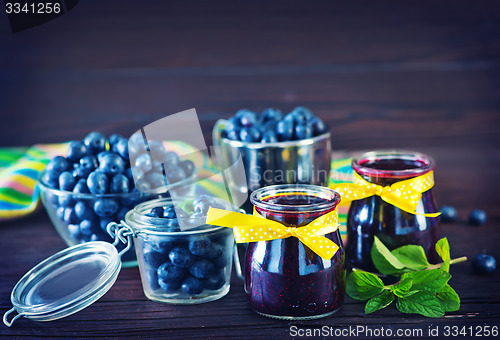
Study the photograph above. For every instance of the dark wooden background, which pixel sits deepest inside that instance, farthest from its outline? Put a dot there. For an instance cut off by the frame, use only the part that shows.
(422, 75)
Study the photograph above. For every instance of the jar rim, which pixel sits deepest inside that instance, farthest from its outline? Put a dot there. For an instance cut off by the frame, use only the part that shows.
(332, 198)
(427, 163)
(136, 219)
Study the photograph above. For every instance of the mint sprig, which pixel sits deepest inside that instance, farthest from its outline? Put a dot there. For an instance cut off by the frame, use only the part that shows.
(422, 289)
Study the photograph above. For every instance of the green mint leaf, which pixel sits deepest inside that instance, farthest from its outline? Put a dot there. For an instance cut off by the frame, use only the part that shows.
(412, 256)
(431, 280)
(384, 261)
(402, 288)
(378, 302)
(362, 285)
(443, 249)
(420, 302)
(449, 299)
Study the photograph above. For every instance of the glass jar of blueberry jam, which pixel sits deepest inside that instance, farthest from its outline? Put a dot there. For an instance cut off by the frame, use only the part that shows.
(178, 265)
(284, 278)
(372, 216)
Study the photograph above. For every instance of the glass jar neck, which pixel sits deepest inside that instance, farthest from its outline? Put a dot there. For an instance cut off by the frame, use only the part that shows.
(388, 167)
(294, 204)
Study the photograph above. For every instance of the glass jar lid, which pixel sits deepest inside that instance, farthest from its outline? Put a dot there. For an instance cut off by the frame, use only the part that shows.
(65, 283)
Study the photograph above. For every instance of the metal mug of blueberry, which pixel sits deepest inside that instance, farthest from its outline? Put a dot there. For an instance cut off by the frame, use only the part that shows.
(276, 148)
(177, 266)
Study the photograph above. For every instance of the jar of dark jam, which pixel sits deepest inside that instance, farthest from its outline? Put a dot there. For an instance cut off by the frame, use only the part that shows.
(372, 216)
(284, 278)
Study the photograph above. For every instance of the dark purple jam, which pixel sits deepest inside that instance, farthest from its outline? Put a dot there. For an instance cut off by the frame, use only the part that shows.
(373, 216)
(284, 278)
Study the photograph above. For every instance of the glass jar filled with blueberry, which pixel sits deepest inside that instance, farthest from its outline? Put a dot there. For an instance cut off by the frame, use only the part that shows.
(181, 259)
(276, 148)
(93, 186)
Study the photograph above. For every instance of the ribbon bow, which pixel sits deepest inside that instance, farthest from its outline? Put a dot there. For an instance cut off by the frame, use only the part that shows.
(248, 228)
(404, 195)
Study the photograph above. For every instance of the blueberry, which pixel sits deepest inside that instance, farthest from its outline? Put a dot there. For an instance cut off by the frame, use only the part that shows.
(98, 182)
(66, 201)
(121, 148)
(192, 285)
(57, 165)
(318, 126)
(66, 181)
(136, 144)
(202, 207)
(144, 163)
(271, 114)
(202, 269)
(60, 212)
(448, 214)
(250, 135)
(112, 164)
(284, 130)
(156, 148)
(119, 184)
(233, 134)
(162, 246)
(215, 282)
(302, 132)
(105, 207)
(169, 212)
(174, 174)
(200, 246)
(74, 231)
(81, 187)
(88, 227)
(170, 158)
(70, 216)
(169, 286)
(188, 167)
(157, 211)
(95, 141)
(247, 118)
(303, 112)
(102, 154)
(181, 257)
(89, 162)
(154, 258)
(154, 180)
(83, 211)
(50, 179)
(114, 138)
(294, 118)
(170, 272)
(269, 137)
(476, 217)
(103, 223)
(77, 150)
(484, 264)
(217, 255)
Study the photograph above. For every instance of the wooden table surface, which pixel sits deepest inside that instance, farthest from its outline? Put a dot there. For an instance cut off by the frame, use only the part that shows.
(421, 75)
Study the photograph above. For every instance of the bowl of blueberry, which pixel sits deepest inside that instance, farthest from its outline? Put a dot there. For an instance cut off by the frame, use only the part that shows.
(276, 148)
(181, 259)
(89, 188)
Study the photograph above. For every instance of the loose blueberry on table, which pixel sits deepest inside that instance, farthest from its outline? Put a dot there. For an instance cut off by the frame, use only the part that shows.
(181, 264)
(272, 126)
(483, 264)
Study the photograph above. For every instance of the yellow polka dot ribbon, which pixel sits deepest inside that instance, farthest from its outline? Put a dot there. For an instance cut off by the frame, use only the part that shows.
(404, 195)
(248, 228)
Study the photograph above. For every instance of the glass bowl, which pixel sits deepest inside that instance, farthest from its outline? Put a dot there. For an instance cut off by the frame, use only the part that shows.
(81, 218)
